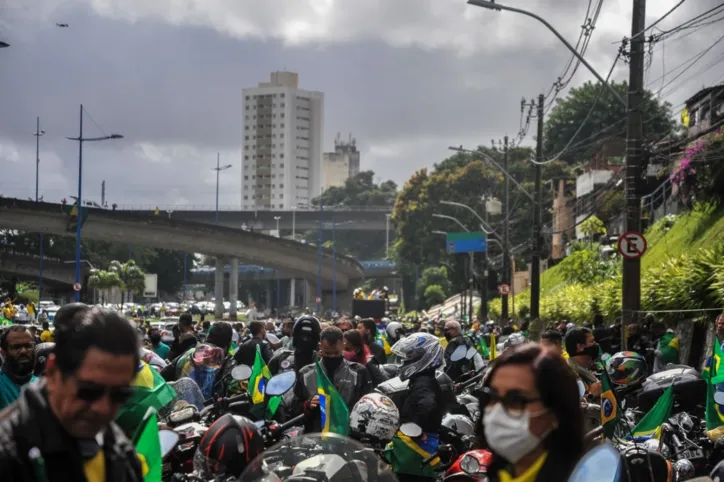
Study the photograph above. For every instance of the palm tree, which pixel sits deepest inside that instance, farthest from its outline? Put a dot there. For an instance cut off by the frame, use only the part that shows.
(103, 281)
(132, 278)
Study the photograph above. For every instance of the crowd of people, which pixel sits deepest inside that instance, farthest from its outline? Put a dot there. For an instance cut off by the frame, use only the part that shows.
(62, 404)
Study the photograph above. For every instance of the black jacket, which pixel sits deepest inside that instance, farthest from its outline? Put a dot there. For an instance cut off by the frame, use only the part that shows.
(423, 401)
(180, 347)
(29, 423)
(246, 354)
(455, 369)
(377, 375)
(378, 353)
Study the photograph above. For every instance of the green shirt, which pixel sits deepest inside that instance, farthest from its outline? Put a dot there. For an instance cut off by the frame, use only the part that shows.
(162, 349)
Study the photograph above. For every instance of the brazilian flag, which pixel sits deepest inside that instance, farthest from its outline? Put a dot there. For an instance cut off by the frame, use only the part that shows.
(493, 347)
(714, 411)
(150, 391)
(260, 374)
(650, 425)
(483, 347)
(610, 414)
(335, 413)
(148, 448)
(405, 454)
(382, 338)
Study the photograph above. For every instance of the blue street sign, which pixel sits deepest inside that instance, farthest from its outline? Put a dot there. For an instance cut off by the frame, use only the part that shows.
(472, 242)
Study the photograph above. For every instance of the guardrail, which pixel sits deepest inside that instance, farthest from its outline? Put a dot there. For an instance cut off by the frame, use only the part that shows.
(165, 208)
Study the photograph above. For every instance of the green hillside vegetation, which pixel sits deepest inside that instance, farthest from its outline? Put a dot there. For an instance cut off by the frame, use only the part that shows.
(683, 268)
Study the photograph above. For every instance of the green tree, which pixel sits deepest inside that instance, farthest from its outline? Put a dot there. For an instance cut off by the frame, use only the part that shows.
(434, 295)
(133, 280)
(607, 120)
(591, 228)
(436, 276)
(103, 281)
(465, 178)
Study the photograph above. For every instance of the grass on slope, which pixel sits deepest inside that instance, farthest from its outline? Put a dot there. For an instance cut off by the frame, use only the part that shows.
(691, 231)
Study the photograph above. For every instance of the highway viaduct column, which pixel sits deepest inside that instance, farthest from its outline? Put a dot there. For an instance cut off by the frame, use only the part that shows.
(233, 287)
(219, 289)
(292, 292)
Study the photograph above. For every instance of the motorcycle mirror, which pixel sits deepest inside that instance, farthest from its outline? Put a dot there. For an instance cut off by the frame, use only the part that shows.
(411, 429)
(719, 397)
(471, 353)
(581, 389)
(241, 373)
(168, 439)
(602, 464)
(280, 384)
(459, 353)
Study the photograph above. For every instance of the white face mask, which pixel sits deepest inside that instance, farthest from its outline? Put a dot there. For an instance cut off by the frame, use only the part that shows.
(508, 436)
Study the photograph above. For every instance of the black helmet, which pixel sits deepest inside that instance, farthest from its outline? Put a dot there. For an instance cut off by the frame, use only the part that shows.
(42, 351)
(642, 465)
(228, 446)
(306, 331)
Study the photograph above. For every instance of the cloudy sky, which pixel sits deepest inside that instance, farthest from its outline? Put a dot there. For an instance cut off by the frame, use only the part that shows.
(407, 77)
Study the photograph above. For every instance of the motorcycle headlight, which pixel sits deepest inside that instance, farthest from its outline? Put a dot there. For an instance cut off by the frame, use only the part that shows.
(470, 465)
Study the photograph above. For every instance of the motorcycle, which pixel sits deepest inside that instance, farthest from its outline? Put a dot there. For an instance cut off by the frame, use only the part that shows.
(318, 457)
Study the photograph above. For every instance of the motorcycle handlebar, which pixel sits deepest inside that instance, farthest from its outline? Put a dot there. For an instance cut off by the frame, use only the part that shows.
(292, 422)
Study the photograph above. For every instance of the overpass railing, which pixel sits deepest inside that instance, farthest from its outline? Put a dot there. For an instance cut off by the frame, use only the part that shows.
(165, 208)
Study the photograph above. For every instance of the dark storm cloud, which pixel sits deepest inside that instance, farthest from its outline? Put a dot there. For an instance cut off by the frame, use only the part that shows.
(407, 82)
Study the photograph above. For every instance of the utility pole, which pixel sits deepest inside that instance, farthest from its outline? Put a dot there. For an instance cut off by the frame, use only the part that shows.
(537, 248)
(103, 194)
(631, 284)
(506, 235)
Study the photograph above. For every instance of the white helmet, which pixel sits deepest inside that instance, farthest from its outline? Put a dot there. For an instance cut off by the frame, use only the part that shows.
(393, 331)
(459, 423)
(375, 415)
(418, 352)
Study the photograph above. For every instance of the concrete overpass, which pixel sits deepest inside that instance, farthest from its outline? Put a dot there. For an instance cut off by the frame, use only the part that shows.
(28, 267)
(297, 259)
(357, 218)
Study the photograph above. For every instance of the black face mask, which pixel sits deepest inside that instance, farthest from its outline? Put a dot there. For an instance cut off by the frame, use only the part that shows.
(591, 351)
(155, 339)
(448, 336)
(331, 363)
(19, 371)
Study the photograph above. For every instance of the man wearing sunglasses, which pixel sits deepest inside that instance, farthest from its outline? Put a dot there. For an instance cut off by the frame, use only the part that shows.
(17, 347)
(61, 429)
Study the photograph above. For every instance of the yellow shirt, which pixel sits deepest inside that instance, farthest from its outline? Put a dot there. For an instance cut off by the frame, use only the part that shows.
(46, 336)
(95, 468)
(443, 341)
(528, 476)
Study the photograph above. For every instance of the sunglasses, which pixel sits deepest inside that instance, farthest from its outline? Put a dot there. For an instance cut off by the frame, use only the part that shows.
(513, 402)
(91, 392)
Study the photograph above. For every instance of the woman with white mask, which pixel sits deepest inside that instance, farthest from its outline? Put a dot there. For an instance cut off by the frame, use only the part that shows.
(532, 421)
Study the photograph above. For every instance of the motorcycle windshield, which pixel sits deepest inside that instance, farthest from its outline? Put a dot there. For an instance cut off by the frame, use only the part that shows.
(318, 457)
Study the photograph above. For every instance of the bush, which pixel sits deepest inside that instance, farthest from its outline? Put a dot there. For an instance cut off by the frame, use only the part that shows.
(434, 295)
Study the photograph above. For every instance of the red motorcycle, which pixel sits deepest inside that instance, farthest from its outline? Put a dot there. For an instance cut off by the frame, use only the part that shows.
(470, 466)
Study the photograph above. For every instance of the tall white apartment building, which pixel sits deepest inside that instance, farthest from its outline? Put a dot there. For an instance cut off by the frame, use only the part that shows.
(282, 153)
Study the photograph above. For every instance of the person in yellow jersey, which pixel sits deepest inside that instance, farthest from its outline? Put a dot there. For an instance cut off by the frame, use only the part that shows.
(553, 340)
(61, 428)
(46, 336)
(532, 420)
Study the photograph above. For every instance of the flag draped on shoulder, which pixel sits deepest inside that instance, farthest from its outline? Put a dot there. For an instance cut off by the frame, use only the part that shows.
(714, 412)
(650, 425)
(610, 414)
(259, 376)
(148, 447)
(385, 343)
(335, 413)
(150, 391)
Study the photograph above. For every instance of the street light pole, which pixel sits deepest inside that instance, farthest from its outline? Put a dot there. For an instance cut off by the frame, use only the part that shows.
(334, 267)
(294, 223)
(79, 201)
(506, 235)
(218, 169)
(37, 135)
(491, 5)
(387, 235)
(186, 255)
(277, 218)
